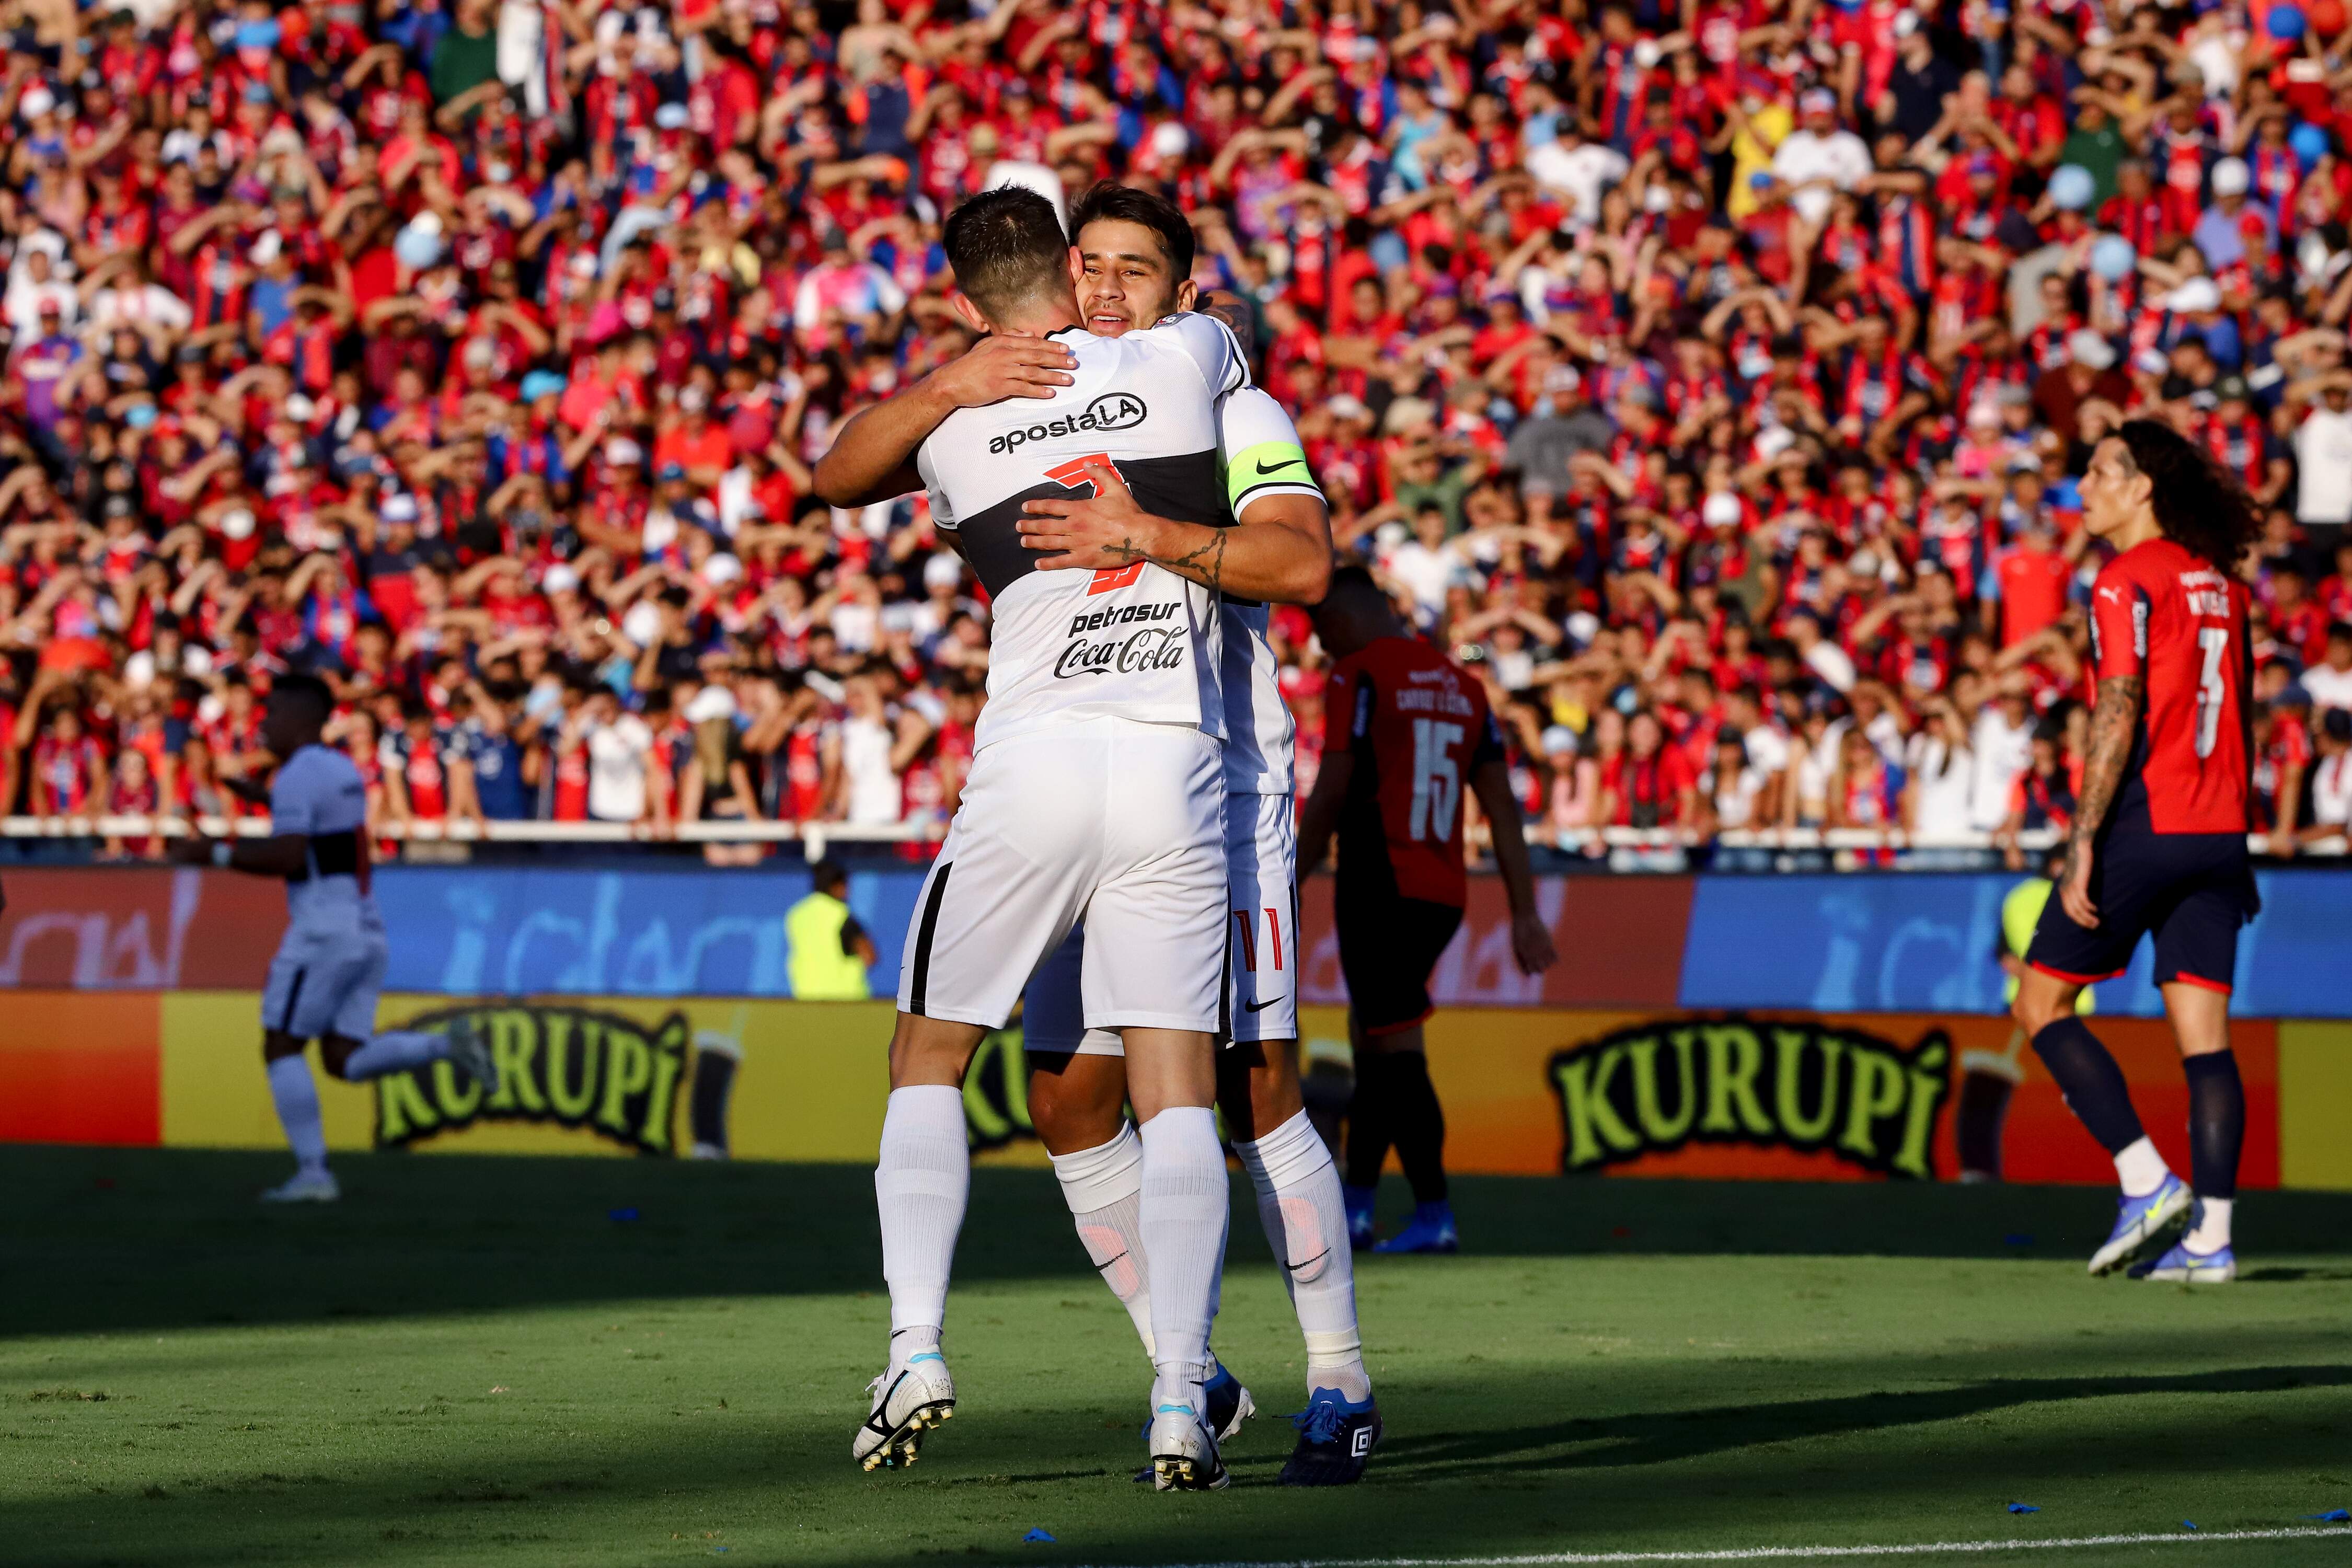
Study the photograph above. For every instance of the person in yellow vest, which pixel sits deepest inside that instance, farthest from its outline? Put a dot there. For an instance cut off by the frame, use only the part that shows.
(1989, 1077)
(830, 950)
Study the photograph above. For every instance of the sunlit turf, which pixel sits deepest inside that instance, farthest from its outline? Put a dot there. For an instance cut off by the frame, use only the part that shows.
(474, 1360)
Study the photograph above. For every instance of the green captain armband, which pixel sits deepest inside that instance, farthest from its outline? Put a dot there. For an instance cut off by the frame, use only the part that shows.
(1267, 466)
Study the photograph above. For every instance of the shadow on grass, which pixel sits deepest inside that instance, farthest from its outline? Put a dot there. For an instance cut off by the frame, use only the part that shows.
(1723, 1474)
(1650, 1439)
(114, 1238)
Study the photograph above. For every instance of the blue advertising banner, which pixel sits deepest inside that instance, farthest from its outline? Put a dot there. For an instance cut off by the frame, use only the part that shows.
(688, 932)
(1927, 942)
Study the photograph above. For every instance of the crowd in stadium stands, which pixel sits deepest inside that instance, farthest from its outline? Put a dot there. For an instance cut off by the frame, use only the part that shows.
(1716, 379)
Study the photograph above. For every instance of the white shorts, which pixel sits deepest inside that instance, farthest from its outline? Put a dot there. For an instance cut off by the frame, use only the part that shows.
(1261, 944)
(325, 980)
(1115, 824)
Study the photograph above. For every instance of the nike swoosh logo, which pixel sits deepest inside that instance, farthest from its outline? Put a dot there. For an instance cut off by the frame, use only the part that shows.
(1286, 463)
(1260, 1006)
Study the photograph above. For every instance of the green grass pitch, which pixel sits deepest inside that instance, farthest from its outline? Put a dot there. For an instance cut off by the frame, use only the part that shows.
(471, 1361)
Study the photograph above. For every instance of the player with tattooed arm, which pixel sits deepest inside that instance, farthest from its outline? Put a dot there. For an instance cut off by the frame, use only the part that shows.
(2158, 843)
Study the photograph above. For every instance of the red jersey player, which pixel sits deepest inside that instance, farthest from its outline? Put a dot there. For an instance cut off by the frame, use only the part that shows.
(1405, 729)
(2159, 841)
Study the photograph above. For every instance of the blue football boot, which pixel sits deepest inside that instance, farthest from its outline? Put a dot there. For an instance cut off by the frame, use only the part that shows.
(2140, 1221)
(1432, 1230)
(1336, 1436)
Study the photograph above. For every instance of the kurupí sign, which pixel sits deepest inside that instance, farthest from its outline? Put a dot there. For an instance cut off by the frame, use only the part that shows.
(1806, 1085)
(573, 1066)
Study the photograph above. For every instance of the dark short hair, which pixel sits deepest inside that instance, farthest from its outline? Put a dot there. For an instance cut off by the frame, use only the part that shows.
(305, 688)
(1004, 245)
(1350, 583)
(1108, 201)
(828, 873)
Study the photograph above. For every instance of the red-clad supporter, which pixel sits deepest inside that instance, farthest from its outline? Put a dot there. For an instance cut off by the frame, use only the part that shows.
(1681, 368)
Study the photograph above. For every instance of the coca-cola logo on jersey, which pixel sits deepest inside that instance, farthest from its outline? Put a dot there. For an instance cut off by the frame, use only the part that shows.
(1139, 641)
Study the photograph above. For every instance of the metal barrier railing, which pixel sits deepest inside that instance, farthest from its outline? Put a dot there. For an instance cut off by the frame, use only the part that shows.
(815, 836)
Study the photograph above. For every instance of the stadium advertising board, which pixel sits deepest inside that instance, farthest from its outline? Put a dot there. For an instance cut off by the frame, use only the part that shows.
(1834, 945)
(1527, 1091)
(580, 1068)
(1844, 1032)
(1808, 1097)
(1654, 1089)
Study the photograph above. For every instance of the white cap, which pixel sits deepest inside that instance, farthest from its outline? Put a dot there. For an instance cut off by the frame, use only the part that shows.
(1773, 441)
(237, 523)
(300, 408)
(1345, 406)
(1984, 411)
(943, 571)
(2151, 360)
(1171, 140)
(265, 248)
(642, 624)
(560, 578)
(2230, 177)
(2196, 294)
(1721, 509)
(624, 451)
(710, 702)
(2089, 350)
(36, 101)
(426, 222)
(399, 508)
(721, 567)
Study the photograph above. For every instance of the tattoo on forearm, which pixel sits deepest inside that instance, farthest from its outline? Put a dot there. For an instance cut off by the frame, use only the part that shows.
(2113, 723)
(1208, 559)
(1126, 552)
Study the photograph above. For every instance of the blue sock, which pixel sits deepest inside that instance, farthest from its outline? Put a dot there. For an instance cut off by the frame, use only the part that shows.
(2091, 1081)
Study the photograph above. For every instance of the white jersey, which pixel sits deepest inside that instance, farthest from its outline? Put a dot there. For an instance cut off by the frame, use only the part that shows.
(318, 792)
(1137, 642)
(1258, 450)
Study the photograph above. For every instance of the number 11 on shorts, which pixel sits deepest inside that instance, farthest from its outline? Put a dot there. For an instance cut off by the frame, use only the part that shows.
(1245, 934)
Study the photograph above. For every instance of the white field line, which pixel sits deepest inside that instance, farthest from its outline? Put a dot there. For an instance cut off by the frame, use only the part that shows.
(1797, 1553)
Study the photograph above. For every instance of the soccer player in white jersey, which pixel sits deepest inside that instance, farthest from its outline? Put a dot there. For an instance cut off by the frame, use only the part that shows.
(1096, 787)
(1134, 251)
(323, 982)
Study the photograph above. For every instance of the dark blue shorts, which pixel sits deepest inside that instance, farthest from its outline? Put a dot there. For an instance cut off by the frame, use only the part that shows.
(1388, 947)
(2191, 891)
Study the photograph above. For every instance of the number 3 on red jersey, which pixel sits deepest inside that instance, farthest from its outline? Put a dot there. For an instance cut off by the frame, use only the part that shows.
(1072, 474)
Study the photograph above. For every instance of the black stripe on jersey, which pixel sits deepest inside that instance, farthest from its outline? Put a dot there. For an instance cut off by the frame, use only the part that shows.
(919, 989)
(293, 1000)
(1295, 487)
(337, 854)
(1186, 487)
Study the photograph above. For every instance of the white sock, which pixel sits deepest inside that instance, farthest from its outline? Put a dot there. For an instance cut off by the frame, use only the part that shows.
(1104, 1187)
(395, 1051)
(2141, 1169)
(296, 1097)
(920, 1184)
(2211, 1231)
(1185, 1207)
(1306, 1219)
